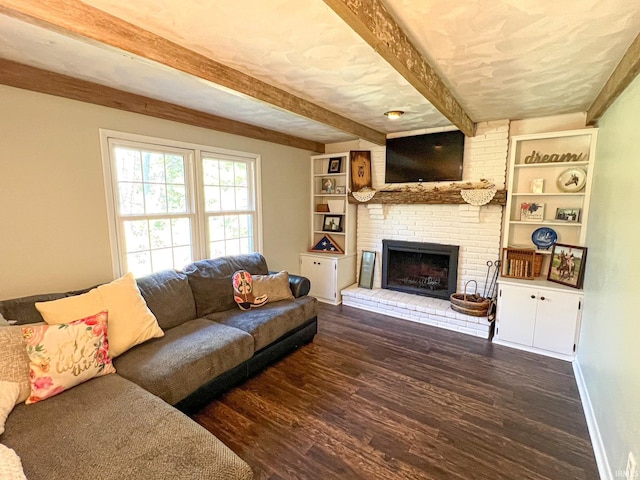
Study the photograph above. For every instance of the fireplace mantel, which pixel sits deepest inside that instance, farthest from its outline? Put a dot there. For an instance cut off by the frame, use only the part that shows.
(438, 197)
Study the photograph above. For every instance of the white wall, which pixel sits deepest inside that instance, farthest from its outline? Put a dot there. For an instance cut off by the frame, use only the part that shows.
(609, 353)
(53, 216)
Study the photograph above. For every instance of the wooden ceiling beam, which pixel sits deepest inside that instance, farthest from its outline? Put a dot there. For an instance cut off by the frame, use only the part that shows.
(77, 19)
(30, 78)
(622, 76)
(372, 21)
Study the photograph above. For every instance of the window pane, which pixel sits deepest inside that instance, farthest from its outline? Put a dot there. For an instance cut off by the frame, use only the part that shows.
(242, 198)
(139, 263)
(162, 259)
(155, 198)
(227, 176)
(160, 233)
(231, 227)
(245, 245)
(228, 197)
(244, 222)
(136, 236)
(128, 165)
(181, 231)
(232, 247)
(182, 256)
(153, 167)
(241, 174)
(131, 198)
(177, 198)
(217, 249)
(174, 165)
(216, 229)
(212, 199)
(211, 173)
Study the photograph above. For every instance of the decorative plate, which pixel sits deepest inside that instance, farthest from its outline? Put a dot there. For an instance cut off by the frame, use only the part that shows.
(572, 180)
(544, 237)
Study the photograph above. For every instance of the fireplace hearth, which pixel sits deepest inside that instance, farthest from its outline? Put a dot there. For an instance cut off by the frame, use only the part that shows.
(428, 269)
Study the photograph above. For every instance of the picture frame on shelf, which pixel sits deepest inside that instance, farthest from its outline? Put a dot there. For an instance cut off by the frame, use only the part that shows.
(531, 212)
(335, 165)
(537, 185)
(571, 215)
(367, 265)
(329, 185)
(341, 189)
(567, 265)
(332, 223)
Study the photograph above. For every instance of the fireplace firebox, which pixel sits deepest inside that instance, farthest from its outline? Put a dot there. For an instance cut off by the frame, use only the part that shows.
(428, 269)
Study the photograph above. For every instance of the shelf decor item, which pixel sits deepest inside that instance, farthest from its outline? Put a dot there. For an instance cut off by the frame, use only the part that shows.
(360, 169)
(568, 215)
(329, 185)
(544, 237)
(478, 196)
(336, 206)
(531, 212)
(567, 265)
(326, 245)
(335, 164)
(332, 223)
(520, 263)
(572, 180)
(366, 269)
(537, 185)
(322, 208)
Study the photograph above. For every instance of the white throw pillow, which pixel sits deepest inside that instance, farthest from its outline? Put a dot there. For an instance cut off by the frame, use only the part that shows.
(130, 320)
(9, 393)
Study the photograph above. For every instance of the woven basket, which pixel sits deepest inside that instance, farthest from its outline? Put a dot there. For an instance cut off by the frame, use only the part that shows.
(470, 304)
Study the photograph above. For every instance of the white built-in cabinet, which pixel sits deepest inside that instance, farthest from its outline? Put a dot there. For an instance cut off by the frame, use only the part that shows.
(329, 273)
(538, 317)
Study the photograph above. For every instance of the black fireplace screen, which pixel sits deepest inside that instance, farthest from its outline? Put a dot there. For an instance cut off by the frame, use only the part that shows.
(421, 268)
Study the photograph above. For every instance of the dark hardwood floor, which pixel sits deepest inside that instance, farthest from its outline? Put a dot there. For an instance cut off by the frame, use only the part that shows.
(375, 397)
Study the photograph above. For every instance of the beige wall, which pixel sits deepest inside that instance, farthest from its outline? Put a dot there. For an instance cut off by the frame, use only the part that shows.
(53, 216)
(609, 353)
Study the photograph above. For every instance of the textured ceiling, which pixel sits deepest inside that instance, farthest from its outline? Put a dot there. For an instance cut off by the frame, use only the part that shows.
(500, 58)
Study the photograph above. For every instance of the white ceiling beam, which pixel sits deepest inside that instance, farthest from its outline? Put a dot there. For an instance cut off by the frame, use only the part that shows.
(79, 20)
(372, 21)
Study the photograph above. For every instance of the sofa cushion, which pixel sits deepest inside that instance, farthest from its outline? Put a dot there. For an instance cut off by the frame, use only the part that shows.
(23, 310)
(169, 297)
(270, 322)
(63, 356)
(211, 283)
(187, 357)
(111, 429)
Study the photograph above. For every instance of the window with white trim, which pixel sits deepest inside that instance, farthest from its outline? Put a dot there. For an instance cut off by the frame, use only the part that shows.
(172, 203)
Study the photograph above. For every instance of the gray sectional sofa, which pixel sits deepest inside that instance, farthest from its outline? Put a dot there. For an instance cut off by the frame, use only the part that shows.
(132, 424)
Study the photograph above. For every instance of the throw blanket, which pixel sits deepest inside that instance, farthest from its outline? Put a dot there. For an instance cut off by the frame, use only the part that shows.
(10, 465)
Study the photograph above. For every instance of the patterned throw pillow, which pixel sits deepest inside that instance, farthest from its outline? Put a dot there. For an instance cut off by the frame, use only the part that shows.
(62, 356)
(243, 291)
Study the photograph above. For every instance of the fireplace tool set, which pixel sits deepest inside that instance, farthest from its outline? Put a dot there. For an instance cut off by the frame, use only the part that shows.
(475, 304)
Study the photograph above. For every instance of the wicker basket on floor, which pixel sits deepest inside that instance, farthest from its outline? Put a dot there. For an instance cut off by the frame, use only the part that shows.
(470, 304)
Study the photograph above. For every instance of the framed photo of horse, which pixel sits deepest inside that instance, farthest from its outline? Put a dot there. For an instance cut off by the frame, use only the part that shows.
(567, 265)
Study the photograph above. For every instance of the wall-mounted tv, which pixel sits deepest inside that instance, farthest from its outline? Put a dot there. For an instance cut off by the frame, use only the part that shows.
(432, 157)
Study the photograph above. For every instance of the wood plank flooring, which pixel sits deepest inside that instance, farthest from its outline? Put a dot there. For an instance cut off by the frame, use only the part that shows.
(375, 397)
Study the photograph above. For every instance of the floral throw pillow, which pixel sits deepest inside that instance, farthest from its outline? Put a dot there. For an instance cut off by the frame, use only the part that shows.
(62, 356)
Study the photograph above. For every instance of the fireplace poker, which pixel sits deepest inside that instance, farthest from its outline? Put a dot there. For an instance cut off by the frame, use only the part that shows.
(486, 280)
(494, 280)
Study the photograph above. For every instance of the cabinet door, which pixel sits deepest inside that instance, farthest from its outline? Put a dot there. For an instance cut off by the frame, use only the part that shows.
(556, 321)
(517, 314)
(321, 274)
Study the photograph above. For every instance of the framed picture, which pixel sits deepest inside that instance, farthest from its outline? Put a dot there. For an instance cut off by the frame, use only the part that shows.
(328, 185)
(360, 169)
(567, 265)
(568, 214)
(332, 223)
(366, 269)
(531, 212)
(335, 164)
(341, 189)
(537, 185)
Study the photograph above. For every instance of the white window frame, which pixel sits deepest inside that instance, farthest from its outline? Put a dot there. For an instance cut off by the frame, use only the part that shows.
(194, 181)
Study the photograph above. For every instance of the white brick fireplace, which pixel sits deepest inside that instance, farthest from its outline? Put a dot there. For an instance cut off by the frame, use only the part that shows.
(476, 230)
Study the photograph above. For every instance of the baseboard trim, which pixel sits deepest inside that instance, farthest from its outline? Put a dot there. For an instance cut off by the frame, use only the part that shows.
(604, 469)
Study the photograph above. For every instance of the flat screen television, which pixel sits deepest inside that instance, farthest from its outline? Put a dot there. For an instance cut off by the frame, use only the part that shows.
(432, 157)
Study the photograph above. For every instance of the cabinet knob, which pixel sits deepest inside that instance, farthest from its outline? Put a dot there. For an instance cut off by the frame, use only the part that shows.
(541, 298)
(533, 296)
